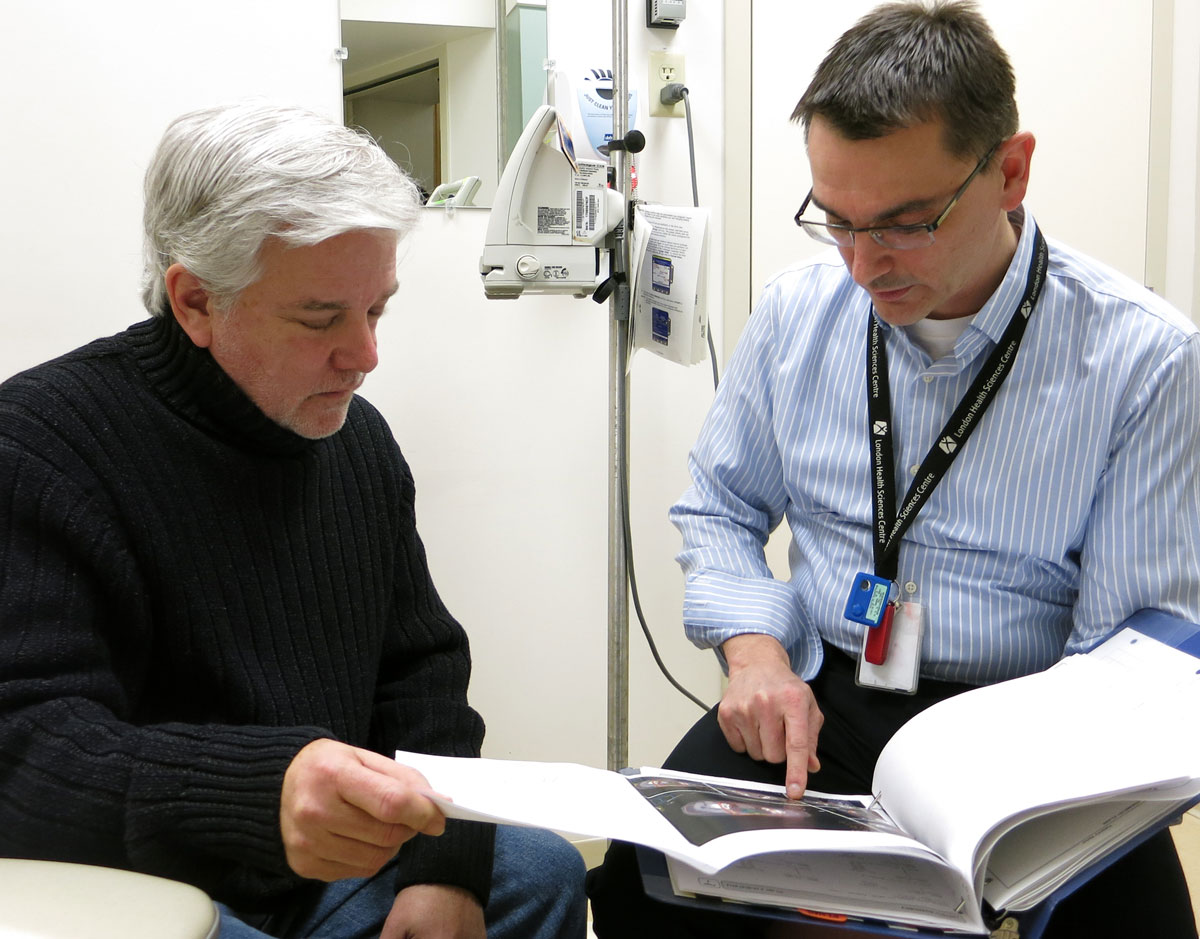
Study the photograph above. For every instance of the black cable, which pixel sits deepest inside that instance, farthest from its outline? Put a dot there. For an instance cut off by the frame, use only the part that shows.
(687, 110)
(637, 603)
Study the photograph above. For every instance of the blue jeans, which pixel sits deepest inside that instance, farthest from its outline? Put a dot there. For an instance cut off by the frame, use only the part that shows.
(537, 893)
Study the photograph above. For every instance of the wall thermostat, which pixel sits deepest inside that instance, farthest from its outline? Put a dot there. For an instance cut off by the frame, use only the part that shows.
(665, 14)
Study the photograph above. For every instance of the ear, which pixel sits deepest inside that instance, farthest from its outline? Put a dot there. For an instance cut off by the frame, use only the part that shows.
(1015, 155)
(191, 304)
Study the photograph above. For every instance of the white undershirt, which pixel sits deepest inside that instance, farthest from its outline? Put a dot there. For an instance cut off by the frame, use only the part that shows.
(937, 337)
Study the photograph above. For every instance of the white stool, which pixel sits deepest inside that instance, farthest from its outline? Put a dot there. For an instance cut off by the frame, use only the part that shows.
(53, 900)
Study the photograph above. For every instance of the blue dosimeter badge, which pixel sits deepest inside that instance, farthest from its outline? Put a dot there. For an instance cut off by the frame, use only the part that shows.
(868, 599)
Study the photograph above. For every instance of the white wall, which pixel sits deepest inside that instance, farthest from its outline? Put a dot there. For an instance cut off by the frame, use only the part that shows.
(499, 407)
(439, 13)
(1181, 261)
(405, 132)
(87, 90)
(469, 123)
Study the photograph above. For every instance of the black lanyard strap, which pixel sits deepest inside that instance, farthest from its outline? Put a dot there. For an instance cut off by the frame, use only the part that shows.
(891, 525)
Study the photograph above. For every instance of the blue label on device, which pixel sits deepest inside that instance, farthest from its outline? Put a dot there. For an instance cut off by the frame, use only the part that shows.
(868, 599)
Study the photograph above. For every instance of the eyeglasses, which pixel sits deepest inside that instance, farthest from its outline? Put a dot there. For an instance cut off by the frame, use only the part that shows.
(896, 237)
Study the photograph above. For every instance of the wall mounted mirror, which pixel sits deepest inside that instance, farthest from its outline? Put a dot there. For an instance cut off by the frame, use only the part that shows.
(444, 87)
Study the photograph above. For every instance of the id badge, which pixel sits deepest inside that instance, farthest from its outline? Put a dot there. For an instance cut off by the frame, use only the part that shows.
(890, 658)
(869, 599)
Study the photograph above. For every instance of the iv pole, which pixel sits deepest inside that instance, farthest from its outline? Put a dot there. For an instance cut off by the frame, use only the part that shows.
(618, 441)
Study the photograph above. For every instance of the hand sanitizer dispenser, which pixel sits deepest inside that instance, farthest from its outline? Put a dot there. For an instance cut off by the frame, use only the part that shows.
(550, 216)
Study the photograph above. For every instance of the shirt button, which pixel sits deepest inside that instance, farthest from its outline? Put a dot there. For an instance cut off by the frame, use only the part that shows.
(928, 379)
(913, 469)
(910, 587)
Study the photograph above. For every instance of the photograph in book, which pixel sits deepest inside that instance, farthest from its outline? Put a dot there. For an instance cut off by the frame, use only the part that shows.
(702, 810)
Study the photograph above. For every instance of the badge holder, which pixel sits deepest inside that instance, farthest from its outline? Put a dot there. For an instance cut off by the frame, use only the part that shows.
(890, 658)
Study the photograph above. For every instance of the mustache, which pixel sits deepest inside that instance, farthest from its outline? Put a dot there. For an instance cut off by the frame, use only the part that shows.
(352, 383)
(885, 283)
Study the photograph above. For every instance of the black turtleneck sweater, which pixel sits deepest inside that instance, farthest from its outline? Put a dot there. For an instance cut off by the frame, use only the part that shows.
(190, 594)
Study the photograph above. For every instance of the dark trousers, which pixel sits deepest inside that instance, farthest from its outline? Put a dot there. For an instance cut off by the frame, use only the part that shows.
(1143, 894)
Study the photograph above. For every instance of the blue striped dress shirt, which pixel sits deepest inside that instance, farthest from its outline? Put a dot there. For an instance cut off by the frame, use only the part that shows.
(1075, 503)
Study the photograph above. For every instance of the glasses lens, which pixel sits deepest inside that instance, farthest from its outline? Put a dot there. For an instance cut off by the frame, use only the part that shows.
(827, 235)
(902, 239)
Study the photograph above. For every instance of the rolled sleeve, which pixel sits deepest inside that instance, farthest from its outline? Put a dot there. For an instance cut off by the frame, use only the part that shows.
(737, 499)
(718, 606)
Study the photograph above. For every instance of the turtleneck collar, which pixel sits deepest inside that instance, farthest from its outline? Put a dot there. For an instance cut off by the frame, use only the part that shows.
(191, 382)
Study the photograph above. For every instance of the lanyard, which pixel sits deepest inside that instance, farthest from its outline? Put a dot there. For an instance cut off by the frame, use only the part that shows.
(891, 525)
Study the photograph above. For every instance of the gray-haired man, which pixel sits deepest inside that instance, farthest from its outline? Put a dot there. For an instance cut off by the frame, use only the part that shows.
(216, 617)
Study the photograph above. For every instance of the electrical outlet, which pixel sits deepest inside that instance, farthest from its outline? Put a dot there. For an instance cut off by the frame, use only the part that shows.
(665, 68)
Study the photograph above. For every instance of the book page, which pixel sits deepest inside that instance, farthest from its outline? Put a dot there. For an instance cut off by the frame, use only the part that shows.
(1143, 658)
(1033, 860)
(566, 797)
(1083, 728)
(702, 810)
(913, 890)
(726, 819)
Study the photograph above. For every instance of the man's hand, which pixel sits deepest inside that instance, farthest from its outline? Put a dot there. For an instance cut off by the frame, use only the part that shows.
(345, 811)
(434, 911)
(767, 711)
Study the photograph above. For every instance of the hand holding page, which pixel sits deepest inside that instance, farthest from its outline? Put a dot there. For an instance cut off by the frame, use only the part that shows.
(986, 796)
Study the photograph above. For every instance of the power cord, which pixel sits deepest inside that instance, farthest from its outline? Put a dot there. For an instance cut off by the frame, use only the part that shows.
(673, 93)
(637, 603)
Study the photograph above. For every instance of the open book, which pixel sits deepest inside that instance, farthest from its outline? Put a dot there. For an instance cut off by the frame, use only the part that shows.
(999, 796)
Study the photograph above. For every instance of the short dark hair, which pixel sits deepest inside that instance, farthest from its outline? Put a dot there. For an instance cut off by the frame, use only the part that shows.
(907, 63)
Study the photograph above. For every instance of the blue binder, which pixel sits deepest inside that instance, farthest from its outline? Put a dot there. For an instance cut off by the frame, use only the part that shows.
(1170, 630)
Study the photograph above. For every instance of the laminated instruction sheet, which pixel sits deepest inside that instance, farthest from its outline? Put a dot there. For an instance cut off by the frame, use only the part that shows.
(668, 282)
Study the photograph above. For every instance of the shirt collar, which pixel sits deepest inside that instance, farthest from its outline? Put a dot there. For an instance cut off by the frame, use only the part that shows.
(994, 315)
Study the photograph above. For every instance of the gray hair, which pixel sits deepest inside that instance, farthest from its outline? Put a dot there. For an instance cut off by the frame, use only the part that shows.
(904, 64)
(225, 179)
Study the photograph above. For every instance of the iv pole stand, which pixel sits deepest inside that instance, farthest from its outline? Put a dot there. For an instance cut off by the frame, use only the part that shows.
(618, 441)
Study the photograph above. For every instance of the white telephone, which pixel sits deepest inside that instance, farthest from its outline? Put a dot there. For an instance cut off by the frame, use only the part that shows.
(460, 192)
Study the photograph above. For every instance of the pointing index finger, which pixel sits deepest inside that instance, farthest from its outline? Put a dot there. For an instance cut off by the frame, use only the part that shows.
(801, 732)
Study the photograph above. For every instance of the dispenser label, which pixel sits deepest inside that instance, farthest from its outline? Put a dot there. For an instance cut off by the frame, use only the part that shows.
(553, 220)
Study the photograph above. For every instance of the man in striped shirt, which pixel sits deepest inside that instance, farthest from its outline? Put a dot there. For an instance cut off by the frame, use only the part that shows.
(846, 412)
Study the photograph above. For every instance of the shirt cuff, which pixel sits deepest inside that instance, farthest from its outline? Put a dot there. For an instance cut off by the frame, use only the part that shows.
(717, 606)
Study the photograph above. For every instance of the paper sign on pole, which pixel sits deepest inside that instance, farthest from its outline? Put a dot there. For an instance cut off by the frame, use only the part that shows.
(669, 282)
